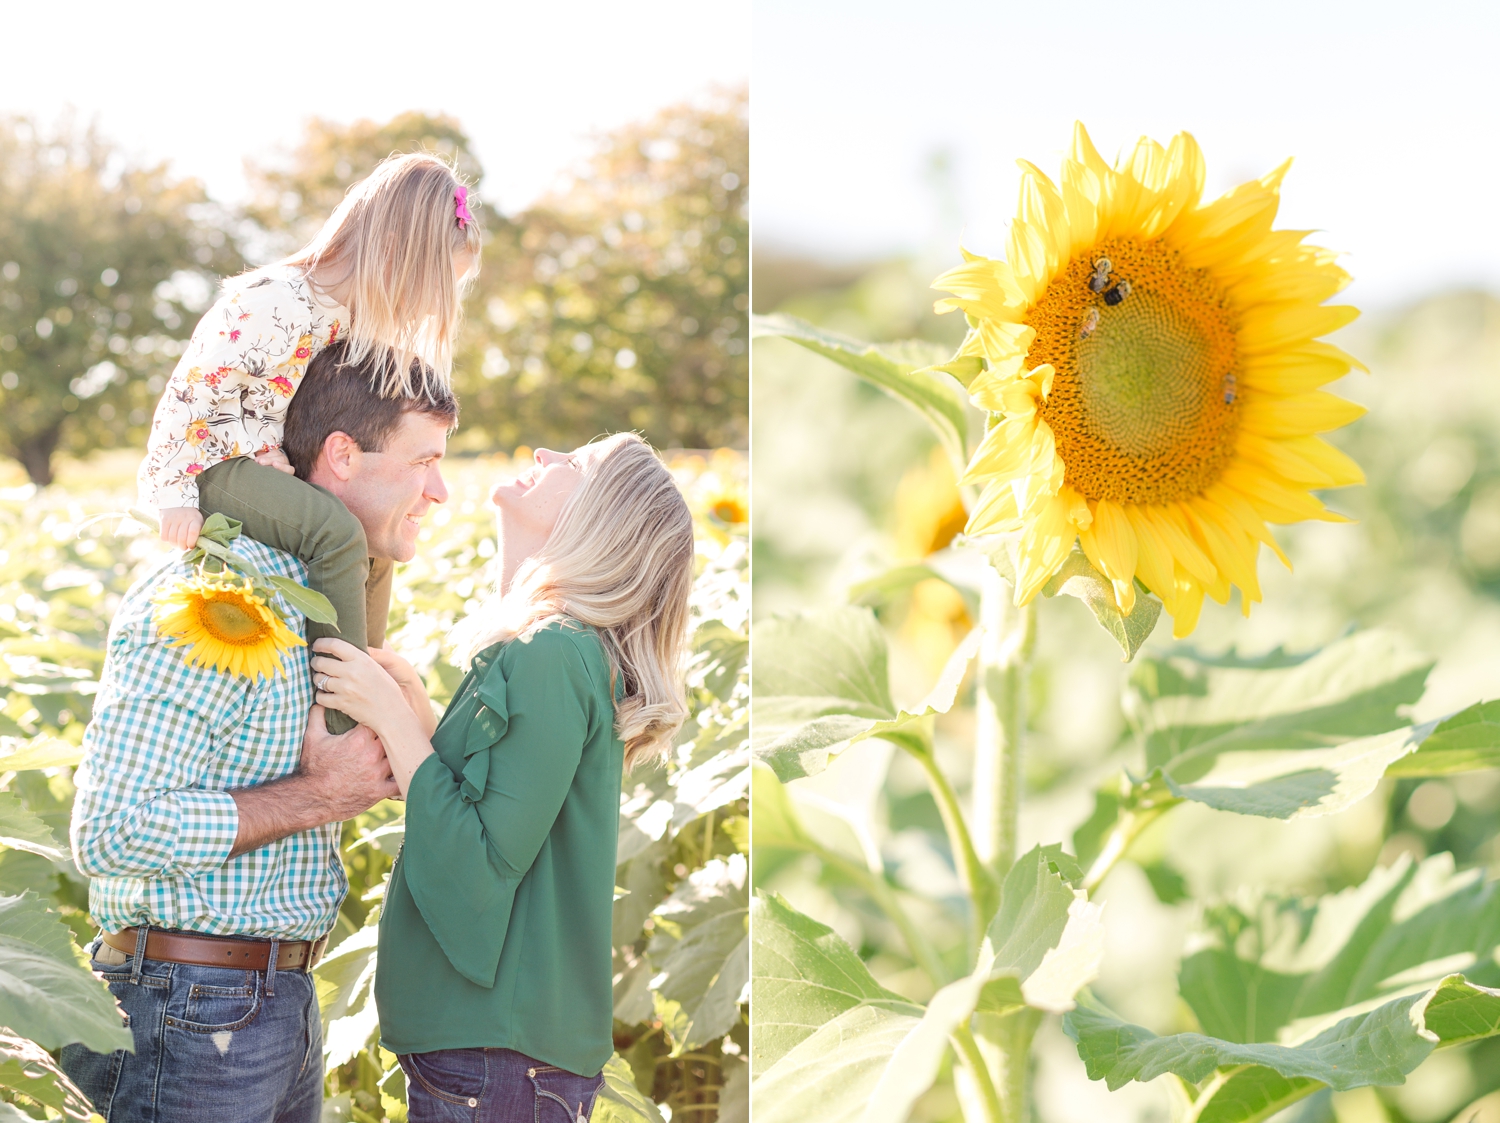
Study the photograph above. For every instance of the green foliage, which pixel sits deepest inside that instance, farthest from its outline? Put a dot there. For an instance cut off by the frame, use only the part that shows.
(620, 301)
(828, 1034)
(821, 684)
(104, 268)
(906, 371)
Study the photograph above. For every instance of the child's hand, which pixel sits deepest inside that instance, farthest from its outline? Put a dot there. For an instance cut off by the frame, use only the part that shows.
(275, 458)
(180, 526)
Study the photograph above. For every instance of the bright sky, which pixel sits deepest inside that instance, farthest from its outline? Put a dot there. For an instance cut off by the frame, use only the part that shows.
(1388, 108)
(207, 84)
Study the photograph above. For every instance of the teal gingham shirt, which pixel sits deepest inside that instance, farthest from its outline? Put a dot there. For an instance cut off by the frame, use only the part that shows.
(153, 822)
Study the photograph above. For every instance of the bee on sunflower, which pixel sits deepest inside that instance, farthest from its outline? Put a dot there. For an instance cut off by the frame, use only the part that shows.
(1152, 371)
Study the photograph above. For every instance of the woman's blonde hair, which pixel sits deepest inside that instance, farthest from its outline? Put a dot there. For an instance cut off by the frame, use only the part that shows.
(390, 245)
(620, 558)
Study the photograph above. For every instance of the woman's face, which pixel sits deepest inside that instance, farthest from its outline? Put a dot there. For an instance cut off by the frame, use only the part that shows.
(529, 504)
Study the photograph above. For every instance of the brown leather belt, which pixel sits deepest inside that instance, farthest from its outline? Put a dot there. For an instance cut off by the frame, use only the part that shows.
(220, 951)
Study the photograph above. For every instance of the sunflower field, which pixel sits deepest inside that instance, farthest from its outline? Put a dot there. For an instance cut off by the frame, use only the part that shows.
(1045, 829)
(680, 928)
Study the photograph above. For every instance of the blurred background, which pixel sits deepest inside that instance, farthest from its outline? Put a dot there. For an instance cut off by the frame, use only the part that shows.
(612, 166)
(148, 150)
(885, 139)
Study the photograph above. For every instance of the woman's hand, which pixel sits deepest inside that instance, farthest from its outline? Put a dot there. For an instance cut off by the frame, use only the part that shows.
(347, 679)
(412, 687)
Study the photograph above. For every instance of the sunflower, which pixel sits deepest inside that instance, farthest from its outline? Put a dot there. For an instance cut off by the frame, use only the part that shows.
(1151, 366)
(225, 624)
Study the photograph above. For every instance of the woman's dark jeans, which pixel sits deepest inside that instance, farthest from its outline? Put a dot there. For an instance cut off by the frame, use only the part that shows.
(494, 1086)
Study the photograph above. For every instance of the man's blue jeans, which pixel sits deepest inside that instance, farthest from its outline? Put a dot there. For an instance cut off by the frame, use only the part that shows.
(211, 1043)
(494, 1086)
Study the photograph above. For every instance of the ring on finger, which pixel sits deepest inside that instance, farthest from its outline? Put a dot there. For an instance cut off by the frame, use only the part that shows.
(321, 682)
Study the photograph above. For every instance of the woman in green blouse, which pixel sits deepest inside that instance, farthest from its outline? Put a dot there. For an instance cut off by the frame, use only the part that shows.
(494, 966)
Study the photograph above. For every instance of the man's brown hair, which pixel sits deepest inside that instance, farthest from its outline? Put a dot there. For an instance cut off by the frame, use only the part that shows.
(337, 396)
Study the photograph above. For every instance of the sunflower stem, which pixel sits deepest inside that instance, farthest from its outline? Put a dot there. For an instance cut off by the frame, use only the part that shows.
(1004, 659)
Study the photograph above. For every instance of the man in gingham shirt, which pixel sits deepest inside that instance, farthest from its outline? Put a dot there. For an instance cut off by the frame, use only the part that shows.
(209, 805)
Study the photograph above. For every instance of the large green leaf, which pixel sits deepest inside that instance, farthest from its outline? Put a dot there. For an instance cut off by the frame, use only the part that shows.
(1047, 939)
(620, 1101)
(39, 752)
(719, 655)
(22, 829)
(645, 883)
(1467, 741)
(868, 1063)
(734, 1097)
(702, 952)
(27, 917)
(1289, 736)
(1305, 962)
(831, 1075)
(346, 996)
(27, 1068)
(805, 977)
(903, 371)
(1355, 988)
(829, 1042)
(1298, 783)
(820, 682)
(56, 1003)
(47, 992)
(1189, 708)
(1372, 1046)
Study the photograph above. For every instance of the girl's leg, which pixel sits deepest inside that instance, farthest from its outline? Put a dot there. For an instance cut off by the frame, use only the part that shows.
(378, 599)
(308, 522)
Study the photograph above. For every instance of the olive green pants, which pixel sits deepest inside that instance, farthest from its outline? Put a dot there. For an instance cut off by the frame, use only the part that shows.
(310, 523)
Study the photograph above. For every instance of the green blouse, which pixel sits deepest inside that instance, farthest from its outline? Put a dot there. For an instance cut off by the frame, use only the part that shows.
(496, 926)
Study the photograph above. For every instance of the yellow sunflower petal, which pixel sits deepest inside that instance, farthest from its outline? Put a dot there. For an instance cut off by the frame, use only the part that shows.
(1231, 549)
(996, 511)
(1154, 561)
(1045, 544)
(1271, 327)
(1111, 546)
(1299, 414)
(1189, 603)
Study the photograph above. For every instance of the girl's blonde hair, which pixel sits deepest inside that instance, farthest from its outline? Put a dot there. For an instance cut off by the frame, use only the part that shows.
(390, 245)
(620, 559)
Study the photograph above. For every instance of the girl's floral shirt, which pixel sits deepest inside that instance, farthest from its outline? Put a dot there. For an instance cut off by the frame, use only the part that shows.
(229, 393)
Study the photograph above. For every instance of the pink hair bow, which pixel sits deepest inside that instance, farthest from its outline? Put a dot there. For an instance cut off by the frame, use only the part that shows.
(461, 206)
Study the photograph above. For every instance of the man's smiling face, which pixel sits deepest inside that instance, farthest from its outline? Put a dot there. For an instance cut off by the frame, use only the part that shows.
(389, 491)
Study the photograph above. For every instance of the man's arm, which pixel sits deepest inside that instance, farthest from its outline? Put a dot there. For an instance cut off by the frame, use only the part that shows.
(340, 776)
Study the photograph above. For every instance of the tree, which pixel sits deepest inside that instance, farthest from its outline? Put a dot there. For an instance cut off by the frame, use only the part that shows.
(104, 266)
(291, 201)
(620, 301)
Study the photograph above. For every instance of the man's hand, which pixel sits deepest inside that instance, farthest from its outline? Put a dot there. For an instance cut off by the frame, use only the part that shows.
(275, 458)
(340, 776)
(348, 771)
(180, 526)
